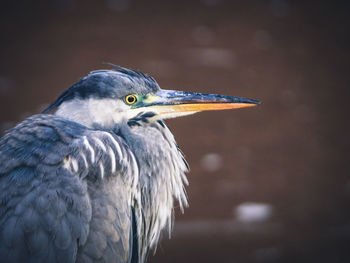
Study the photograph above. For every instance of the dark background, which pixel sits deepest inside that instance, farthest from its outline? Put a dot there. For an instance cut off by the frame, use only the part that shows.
(267, 184)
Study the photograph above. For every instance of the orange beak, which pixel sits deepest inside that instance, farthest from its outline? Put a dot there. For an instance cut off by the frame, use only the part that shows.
(172, 101)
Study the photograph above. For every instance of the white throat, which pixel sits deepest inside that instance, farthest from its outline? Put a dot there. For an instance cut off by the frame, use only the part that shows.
(108, 112)
(105, 112)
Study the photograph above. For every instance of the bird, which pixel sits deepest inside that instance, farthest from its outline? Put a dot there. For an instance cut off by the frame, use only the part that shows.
(95, 176)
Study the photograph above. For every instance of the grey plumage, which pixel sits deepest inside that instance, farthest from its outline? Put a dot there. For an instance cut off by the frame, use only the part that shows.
(96, 181)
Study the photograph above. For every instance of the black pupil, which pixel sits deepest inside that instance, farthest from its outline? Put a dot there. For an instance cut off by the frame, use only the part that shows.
(131, 99)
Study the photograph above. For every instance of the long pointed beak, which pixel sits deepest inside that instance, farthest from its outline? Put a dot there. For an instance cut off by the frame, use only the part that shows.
(172, 101)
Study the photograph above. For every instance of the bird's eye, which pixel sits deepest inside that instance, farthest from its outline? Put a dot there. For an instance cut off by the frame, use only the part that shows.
(130, 99)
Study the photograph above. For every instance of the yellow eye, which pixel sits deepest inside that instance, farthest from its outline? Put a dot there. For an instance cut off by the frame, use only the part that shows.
(130, 99)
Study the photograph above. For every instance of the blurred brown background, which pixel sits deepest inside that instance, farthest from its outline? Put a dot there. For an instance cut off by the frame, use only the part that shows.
(268, 184)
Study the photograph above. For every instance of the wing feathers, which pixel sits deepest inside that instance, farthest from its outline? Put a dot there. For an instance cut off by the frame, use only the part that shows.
(65, 193)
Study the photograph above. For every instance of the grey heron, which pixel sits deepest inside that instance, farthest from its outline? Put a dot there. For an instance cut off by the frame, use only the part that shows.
(94, 178)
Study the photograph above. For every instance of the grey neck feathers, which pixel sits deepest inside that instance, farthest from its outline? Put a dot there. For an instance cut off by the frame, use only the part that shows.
(162, 176)
(162, 166)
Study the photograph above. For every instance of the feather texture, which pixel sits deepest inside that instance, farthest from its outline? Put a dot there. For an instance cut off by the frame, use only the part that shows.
(69, 193)
(51, 206)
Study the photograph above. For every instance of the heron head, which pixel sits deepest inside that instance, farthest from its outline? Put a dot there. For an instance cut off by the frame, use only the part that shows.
(107, 97)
